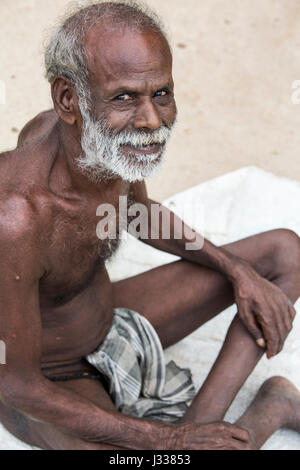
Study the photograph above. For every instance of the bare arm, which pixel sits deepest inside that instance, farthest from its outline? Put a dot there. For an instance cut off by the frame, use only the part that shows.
(264, 309)
(205, 254)
(22, 385)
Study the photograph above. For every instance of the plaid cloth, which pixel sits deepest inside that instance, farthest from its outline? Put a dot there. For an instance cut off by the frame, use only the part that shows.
(140, 383)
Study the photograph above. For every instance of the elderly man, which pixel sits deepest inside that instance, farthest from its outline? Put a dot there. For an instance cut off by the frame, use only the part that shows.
(83, 369)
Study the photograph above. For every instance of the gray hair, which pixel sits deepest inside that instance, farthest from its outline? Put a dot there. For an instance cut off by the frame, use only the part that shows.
(65, 53)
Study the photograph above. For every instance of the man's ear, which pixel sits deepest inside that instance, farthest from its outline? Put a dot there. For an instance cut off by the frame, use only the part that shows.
(65, 100)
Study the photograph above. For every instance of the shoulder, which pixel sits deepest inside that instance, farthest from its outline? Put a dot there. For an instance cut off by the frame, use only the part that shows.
(37, 127)
(17, 216)
(5, 156)
(22, 247)
(21, 219)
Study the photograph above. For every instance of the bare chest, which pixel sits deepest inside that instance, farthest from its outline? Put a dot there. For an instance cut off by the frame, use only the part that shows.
(76, 253)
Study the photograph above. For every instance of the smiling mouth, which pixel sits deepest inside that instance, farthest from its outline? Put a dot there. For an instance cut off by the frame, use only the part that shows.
(144, 149)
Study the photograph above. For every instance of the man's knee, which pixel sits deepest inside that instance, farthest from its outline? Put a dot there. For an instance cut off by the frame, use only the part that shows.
(286, 252)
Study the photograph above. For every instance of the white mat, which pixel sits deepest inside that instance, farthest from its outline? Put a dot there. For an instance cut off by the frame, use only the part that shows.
(239, 204)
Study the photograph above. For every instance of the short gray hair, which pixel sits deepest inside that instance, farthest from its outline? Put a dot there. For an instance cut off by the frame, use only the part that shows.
(65, 53)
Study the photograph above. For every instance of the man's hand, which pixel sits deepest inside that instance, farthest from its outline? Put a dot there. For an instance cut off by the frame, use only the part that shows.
(215, 436)
(264, 309)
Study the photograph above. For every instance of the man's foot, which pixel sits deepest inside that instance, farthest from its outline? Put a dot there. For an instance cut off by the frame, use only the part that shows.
(283, 398)
(276, 406)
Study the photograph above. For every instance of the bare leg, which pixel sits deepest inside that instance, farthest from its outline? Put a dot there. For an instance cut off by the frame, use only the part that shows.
(200, 295)
(237, 359)
(276, 406)
(49, 437)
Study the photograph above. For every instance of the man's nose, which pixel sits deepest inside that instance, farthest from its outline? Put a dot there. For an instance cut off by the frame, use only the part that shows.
(146, 116)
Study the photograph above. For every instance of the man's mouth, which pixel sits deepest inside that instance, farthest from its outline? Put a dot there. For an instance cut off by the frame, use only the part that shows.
(143, 149)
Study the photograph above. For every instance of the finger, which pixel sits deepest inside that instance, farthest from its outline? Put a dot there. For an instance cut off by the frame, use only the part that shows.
(281, 317)
(237, 432)
(243, 446)
(288, 316)
(238, 445)
(270, 335)
(222, 444)
(288, 319)
(234, 444)
(248, 318)
(261, 343)
(292, 310)
(274, 329)
(226, 444)
(253, 328)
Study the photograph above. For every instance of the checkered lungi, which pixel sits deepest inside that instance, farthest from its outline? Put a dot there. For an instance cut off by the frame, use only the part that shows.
(140, 383)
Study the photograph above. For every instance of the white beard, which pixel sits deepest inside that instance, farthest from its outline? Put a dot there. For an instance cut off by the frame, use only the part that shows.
(103, 156)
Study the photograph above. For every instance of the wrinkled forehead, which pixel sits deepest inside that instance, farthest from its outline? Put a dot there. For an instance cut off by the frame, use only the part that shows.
(119, 55)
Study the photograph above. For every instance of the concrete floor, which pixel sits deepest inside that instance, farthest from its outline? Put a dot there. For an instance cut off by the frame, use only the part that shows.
(234, 65)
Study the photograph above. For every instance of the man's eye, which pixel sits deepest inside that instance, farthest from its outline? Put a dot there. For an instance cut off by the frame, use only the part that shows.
(161, 93)
(124, 97)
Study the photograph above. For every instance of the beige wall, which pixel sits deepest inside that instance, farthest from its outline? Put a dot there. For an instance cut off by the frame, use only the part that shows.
(234, 64)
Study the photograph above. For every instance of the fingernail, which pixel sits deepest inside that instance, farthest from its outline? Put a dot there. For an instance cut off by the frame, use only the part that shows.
(261, 343)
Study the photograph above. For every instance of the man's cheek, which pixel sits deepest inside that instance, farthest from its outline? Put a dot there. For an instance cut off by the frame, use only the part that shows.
(119, 120)
(169, 115)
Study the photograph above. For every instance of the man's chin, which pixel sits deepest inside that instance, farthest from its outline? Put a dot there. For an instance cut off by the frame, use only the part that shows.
(142, 161)
(136, 170)
(131, 168)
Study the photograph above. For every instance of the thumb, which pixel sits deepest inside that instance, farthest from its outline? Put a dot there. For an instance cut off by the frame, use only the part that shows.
(248, 318)
(257, 333)
(261, 343)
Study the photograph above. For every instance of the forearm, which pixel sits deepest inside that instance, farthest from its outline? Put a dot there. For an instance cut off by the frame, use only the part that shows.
(46, 402)
(216, 258)
(184, 242)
